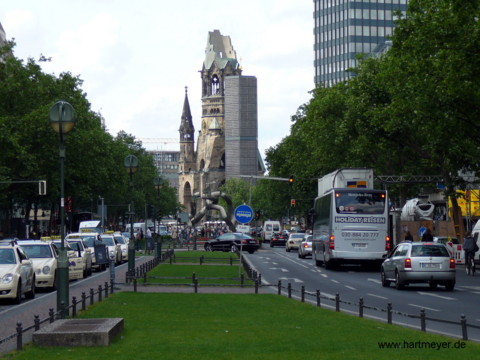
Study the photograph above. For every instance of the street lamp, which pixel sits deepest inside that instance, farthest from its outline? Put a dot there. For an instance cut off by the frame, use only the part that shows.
(131, 165)
(158, 186)
(62, 120)
(193, 209)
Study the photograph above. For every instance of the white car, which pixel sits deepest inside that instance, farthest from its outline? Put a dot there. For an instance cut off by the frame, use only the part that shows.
(294, 241)
(43, 255)
(123, 242)
(17, 277)
(114, 249)
(85, 252)
(305, 248)
(90, 239)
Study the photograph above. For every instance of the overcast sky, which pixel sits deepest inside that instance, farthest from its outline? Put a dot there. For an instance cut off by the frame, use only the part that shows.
(136, 57)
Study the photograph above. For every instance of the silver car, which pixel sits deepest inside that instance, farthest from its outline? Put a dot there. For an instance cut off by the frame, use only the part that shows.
(419, 262)
(305, 248)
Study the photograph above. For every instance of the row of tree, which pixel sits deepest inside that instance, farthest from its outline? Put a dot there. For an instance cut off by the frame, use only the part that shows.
(94, 158)
(411, 111)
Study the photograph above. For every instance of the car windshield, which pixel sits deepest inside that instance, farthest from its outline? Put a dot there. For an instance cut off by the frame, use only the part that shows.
(75, 245)
(120, 239)
(38, 251)
(7, 256)
(108, 241)
(429, 250)
(89, 241)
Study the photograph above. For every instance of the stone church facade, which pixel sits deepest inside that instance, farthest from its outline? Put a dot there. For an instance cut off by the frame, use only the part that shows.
(217, 157)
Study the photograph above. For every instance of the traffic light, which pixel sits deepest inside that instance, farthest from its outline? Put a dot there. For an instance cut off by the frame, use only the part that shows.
(42, 187)
(291, 180)
(292, 203)
(258, 213)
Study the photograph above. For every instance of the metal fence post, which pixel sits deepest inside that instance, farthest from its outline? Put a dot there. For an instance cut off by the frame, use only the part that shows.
(51, 315)
(256, 286)
(423, 323)
(463, 321)
(337, 302)
(134, 284)
(92, 293)
(195, 284)
(84, 301)
(318, 298)
(36, 322)
(303, 293)
(106, 289)
(279, 287)
(19, 336)
(289, 290)
(389, 313)
(360, 307)
(74, 306)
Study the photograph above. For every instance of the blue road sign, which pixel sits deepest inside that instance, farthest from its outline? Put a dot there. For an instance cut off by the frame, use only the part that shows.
(243, 214)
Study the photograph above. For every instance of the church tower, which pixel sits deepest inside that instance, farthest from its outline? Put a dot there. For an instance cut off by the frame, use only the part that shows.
(220, 62)
(187, 165)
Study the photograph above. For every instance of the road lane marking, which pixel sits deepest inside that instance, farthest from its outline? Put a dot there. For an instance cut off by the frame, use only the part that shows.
(435, 295)
(294, 279)
(378, 296)
(424, 307)
(374, 280)
(281, 269)
(350, 287)
(335, 281)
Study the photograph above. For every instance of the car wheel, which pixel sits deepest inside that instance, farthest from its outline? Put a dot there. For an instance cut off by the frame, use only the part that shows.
(449, 285)
(385, 282)
(287, 249)
(398, 283)
(54, 285)
(271, 244)
(18, 298)
(233, 248)
(31, 293)
(433, 285)
(208, 247)
(251, 251)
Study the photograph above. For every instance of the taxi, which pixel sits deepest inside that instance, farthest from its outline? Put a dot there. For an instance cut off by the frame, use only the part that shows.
(75, 261)
(114, 248)
(92, 242)
(77, 244)
(43, 255)
(17, 277)
(123, 242)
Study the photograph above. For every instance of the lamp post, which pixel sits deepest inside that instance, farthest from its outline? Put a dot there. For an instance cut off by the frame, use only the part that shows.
(193, 209)
(131, 165)
(158, 186)
(62, 120)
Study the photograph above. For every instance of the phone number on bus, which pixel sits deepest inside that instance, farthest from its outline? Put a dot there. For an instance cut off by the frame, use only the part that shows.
(348, 234)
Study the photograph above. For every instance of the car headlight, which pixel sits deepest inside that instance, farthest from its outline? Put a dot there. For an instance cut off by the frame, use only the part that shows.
(112, 253)
(46, 269)
(7, 278)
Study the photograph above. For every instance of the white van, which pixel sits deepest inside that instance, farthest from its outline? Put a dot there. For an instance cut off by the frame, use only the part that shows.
(476, 236)
(269, 228)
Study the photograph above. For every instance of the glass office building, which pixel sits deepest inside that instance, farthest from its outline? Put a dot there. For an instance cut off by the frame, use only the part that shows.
(344, 28)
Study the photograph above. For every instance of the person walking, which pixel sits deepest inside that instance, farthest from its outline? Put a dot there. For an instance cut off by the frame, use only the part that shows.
(470, 247)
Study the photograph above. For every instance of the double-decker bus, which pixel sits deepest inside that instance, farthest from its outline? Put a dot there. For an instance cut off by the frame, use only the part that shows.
(350, 226)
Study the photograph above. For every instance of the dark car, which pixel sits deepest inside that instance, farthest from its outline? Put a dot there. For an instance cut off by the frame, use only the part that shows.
(232, 242)
(279, 239)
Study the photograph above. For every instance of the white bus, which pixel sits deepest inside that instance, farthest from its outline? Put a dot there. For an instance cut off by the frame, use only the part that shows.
(351, 226)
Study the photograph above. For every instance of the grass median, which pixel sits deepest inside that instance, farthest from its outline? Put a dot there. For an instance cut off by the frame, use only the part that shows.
(249, 326)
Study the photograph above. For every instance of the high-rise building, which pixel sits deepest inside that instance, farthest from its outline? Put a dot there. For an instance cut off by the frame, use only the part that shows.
(345, 28)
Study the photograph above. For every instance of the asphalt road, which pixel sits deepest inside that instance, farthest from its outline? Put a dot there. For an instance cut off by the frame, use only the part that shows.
(353, 282)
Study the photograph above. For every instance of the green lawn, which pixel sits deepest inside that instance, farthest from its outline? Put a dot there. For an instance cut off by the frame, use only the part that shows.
(226, 326)
(206, 274)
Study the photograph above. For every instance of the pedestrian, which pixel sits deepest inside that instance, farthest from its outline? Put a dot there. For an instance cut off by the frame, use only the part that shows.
(427, 235)
(408, 236)
(470, 247)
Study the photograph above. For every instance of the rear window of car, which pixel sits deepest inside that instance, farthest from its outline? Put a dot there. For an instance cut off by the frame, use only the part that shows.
(429, 250)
